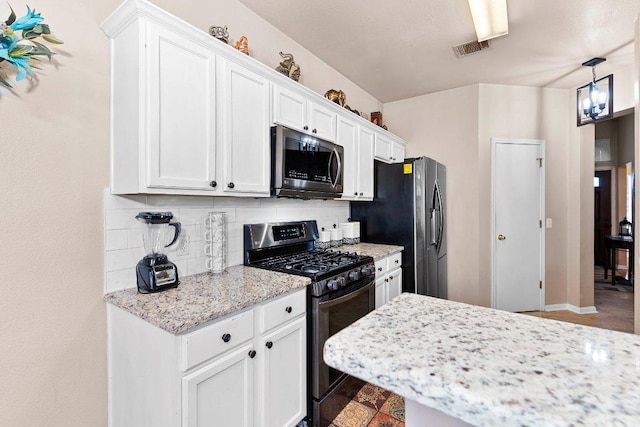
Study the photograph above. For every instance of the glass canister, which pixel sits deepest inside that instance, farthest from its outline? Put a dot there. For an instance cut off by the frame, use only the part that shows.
(215, 236)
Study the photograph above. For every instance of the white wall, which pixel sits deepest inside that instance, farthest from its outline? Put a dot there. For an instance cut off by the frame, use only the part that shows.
(55, 165)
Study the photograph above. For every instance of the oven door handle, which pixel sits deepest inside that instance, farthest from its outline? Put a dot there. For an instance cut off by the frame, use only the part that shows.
(335, 155)
(345, 298)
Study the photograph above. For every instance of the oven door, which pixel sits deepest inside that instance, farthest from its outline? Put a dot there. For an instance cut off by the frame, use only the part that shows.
(330, 314)
(306, 166)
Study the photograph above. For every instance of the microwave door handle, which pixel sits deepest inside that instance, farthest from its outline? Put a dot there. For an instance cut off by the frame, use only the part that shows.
(336, 155)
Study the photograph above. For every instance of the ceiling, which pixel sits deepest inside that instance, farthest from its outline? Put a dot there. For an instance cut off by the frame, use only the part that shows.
(397, 50)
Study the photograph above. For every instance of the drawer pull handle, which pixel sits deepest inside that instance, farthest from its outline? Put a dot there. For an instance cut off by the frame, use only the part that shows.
(269, 344)
(288, 309)
(252, 354)
(226, 337)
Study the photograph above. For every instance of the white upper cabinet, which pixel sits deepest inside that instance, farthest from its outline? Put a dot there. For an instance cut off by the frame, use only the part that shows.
(296, 111)
(365, 163)
(389, 149)
(180, 138)
(245, 137)
(358, 160)
(348, 138)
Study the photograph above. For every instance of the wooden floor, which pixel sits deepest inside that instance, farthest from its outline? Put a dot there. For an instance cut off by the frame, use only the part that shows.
(614, 305)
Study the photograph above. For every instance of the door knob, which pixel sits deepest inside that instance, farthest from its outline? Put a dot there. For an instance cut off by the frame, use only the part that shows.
(501, 237)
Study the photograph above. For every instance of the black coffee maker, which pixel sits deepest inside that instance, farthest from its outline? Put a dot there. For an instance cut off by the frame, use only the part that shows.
(155, 272)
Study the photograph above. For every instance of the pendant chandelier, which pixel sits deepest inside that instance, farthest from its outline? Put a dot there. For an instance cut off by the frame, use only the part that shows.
(595, 100)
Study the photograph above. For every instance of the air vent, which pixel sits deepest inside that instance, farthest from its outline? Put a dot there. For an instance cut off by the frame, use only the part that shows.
(465, 49)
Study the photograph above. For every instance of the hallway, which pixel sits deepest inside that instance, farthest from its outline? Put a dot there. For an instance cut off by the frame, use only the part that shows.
(614, 305)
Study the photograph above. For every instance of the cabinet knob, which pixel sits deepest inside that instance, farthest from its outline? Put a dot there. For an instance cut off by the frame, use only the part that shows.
(386, 280)
(397, 261)
(269, 344)
(213, 184)
(379, 268)
(288, 309)
(390, 158)
(355, 194)
(390, 277)
(231, 185)
(314, 131)
(305, 127)
(226, 337)
(252, 354)
(361, 194)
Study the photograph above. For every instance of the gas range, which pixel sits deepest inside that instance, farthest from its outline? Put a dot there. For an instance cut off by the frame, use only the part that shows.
(289, 248)
(341, 292)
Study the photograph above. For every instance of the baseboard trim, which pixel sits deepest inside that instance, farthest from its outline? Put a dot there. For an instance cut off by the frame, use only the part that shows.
(571, 307)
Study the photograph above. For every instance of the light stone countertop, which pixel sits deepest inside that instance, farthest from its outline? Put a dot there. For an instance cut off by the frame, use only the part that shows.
(489, 367)
(375, 250)
(202, 298)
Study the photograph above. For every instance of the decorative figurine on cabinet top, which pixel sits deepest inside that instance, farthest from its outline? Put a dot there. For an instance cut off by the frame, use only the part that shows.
(288, 67)
(219, 33)
(337, 96)
(243, 45)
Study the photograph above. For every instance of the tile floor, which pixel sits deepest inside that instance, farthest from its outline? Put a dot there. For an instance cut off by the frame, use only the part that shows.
(375, 407)
(371, 406)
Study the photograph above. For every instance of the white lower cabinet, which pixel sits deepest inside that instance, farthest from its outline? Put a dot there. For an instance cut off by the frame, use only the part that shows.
(388, 278)
(246, 370)
(221, 393)
(283, 381)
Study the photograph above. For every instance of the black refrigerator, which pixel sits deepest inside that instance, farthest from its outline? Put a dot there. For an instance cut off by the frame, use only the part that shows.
(409, 210)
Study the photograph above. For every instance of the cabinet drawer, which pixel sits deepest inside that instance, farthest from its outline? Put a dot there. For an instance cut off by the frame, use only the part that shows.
(285, 308)
(395, 261)
(381, 267)
(216, 339)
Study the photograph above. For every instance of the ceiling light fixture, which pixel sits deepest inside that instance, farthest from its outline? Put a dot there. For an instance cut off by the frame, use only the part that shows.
(489, 18)
(595, 100)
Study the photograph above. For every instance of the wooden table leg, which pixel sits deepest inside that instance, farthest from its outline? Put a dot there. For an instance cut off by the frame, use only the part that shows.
(613, 266)
(606, 262)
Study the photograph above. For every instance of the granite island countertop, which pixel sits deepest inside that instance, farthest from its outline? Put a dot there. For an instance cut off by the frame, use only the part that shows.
(202, 298)
(375, 250)
(489, 367)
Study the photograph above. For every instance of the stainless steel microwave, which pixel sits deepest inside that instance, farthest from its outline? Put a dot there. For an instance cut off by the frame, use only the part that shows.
(305, 166)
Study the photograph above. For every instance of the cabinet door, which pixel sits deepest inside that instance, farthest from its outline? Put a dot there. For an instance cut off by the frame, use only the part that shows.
(245, 140)
(365, 164)
(283, 383)
(180, 133)
(394, 284)
(347, 137)
(221, 393)
(382, 149)
(381, 291)
(289, 109)
(322, 122)
(397, 152)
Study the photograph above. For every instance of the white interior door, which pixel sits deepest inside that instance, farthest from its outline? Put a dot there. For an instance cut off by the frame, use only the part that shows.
(518, 236)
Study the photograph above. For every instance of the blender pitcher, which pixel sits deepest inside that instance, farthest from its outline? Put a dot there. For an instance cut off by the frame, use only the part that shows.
(155, 272)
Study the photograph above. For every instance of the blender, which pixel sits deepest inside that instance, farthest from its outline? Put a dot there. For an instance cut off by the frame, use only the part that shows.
(155, 272)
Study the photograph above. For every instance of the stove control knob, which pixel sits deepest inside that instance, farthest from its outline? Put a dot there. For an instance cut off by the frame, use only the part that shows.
(366, 271)
(332, 284)
(354, 275)
(341, 281)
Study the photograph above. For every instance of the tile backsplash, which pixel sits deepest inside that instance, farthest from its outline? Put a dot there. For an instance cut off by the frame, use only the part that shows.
(123, 234)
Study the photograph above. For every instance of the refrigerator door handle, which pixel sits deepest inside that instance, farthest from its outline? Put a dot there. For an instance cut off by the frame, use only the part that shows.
(432, 235)
(441, 216)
